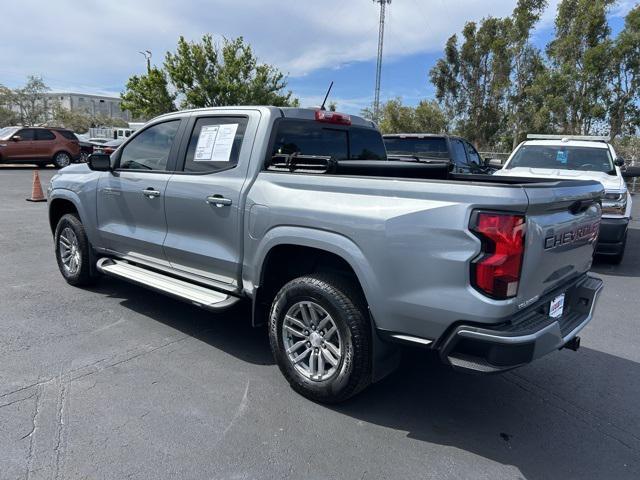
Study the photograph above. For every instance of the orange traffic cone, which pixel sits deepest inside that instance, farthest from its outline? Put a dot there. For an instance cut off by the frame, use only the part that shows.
(36, 190)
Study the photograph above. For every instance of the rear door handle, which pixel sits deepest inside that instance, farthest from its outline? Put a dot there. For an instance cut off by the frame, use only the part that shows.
(219, 201)
(151, 193)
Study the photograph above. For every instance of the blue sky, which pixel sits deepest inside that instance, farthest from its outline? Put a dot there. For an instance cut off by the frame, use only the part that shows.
(92, 46)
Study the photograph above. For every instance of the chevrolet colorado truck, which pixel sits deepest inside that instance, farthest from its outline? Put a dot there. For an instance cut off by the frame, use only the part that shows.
(342, 252)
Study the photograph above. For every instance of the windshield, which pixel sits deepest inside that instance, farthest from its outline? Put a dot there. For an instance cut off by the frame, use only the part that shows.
(434, 147)
(7, 132)
(563, 157)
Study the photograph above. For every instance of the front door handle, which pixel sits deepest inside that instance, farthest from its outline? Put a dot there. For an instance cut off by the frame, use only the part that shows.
(219, 201)
(151, 193)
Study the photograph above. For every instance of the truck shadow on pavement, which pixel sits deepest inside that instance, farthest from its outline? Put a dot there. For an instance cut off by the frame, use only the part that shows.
(630, 266)
(230, 331)
(570, 415)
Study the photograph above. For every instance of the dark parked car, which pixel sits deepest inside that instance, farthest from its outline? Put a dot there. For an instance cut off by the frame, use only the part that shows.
(435, 147)
(109, 147)
(38, 145)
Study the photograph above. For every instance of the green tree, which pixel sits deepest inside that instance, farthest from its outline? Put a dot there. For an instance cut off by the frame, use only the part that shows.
(31, 102)
(624, 91)
(472, 79)
(147, 96)
(524, 101)
(7, 115)
(75, 121)
(209, 75)
(426, 117)
(580, 56)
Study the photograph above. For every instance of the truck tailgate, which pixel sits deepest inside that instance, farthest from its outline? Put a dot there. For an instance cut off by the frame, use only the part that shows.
(562, 228)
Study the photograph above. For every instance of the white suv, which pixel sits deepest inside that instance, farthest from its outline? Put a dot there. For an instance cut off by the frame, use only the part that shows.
(580, 158)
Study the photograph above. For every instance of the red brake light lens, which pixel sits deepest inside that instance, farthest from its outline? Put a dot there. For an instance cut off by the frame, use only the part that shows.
(496, 272)
(333, 117)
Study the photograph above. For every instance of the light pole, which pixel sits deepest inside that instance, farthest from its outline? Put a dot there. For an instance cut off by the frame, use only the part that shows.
(376, 98)
(147, 56)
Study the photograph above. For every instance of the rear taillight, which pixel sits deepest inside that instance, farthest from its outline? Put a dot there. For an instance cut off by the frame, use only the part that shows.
(332, 117)
(496, 272)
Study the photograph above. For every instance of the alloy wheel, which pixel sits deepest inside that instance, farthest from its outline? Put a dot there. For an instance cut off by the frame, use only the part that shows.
(312, 341)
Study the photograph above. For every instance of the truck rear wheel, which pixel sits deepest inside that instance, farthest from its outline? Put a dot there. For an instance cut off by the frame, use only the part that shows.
(320, 337)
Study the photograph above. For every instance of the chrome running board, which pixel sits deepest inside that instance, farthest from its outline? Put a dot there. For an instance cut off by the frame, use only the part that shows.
(200, 296)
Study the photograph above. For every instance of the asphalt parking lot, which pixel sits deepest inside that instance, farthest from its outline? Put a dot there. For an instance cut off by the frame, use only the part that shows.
(118, 382)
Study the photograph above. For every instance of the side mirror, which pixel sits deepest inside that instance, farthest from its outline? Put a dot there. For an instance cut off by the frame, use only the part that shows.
(100, 162)
(16, 138)
(619, 162)
(494, 162)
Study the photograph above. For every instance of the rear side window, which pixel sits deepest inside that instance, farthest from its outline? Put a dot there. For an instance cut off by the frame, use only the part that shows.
(67, 134)
(312, 138)
(215, 144)
(150, 149)
(45, 135)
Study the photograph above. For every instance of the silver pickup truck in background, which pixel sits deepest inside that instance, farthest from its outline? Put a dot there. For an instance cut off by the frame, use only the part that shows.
(343, 253)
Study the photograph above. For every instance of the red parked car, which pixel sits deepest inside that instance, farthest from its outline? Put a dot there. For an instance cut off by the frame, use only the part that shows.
(38, 145)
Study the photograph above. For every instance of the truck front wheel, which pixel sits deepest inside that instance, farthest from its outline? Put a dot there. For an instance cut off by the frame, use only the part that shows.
(73, 251)
(321, 338)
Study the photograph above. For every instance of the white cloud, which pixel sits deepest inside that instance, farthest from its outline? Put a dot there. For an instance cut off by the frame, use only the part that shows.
(94, 44)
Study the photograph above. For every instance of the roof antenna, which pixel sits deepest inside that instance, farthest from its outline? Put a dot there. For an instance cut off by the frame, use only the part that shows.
(326, 96)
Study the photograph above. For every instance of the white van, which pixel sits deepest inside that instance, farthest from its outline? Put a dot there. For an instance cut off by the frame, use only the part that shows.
(581, 158)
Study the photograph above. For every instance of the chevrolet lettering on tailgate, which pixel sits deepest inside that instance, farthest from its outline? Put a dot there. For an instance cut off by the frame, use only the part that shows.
(589, 232)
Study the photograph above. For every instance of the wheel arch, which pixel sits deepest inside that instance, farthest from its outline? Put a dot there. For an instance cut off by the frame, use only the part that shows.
(287, 252)
(58, 207)
(332, 252)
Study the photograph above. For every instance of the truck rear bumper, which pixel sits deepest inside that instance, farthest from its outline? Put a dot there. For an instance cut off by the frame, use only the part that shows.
(527, 336)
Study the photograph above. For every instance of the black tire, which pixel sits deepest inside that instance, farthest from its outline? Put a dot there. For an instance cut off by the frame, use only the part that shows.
(61, 159)
(344, 303)
(83, 275)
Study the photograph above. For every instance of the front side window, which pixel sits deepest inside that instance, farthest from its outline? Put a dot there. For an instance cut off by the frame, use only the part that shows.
(472, 154)
(27, 134)
(459, 155)
(563, 158)
(215, 144)
(150, 149)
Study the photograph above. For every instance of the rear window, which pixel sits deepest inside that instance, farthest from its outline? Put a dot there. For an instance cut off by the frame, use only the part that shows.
(563, 158)
(313, 138)
(428, 147)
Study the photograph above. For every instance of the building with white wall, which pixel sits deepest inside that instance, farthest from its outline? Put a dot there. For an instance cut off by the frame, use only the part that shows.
(90, 104)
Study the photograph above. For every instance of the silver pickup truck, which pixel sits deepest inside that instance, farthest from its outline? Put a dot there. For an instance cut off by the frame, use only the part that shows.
(343, 253)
